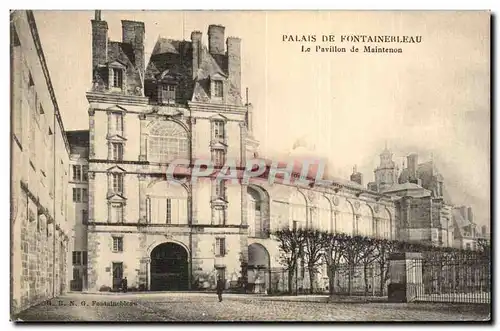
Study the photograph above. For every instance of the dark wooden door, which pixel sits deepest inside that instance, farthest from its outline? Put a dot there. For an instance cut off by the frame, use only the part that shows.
(117, 275)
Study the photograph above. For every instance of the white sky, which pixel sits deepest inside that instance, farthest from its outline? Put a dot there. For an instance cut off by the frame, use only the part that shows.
(433, 98)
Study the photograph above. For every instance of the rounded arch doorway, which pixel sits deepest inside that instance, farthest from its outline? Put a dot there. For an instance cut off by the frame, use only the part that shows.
(259, 268)
(169, 268)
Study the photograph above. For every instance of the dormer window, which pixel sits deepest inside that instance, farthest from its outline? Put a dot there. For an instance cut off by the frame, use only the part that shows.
(218, 89)
(117, 78)
(217, 86)
(116, 75)
(167, 93)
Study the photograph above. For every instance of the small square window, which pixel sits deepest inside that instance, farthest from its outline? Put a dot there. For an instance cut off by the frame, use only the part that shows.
(218, 130)
(77, 258)
(218, 89)
(116, 213)
(168, 93)
(219, 157)
(117, 78)
(117, 183)
(220, 246)
(118, 123)
(117, 244)
(220, 189)
(117, 151)
(77, 194)
(77, 173)
(220, 216)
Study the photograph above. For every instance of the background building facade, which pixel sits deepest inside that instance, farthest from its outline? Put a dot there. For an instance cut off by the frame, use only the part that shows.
(40, 226)
(155, 232)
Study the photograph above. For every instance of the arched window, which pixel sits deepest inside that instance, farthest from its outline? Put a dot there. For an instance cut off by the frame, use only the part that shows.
(258, 212)
(298, 211)
(324, 219)
(167, 141)
(167, 204)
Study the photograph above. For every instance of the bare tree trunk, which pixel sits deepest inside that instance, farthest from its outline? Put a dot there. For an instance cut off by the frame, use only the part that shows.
(365, 276)
(290, 280)
(382, 277)
(349, 283)
(330, 271)
(311, 278)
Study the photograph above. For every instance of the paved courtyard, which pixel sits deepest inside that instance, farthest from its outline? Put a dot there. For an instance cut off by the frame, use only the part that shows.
(185, 307)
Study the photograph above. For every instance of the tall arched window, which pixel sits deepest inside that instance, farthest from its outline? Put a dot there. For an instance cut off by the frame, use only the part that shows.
(298, 211)
(167, 204)
(167, 141)
(258, 212)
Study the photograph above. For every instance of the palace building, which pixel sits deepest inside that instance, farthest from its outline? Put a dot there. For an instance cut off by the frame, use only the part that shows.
(125, 218)
(187, 103)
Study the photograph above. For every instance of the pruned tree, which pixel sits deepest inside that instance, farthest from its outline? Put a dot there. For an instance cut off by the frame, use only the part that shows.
(369, 254)
(353, 254)
(384, 250)
(335, 244)
(314, 244)
(291, 245)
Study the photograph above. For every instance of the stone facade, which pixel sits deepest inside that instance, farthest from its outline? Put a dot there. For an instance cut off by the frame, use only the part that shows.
(191, 108)
(78, 211)
(40, 226)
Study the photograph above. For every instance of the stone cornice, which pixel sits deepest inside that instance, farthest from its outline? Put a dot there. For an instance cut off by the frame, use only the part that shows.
(209, 107)
(117, 98)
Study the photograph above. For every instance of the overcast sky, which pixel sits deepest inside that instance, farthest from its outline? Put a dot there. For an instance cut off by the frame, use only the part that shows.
(432, 98)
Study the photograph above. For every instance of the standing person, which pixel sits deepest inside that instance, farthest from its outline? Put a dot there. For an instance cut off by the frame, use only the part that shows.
(124, 284)
(220, 287)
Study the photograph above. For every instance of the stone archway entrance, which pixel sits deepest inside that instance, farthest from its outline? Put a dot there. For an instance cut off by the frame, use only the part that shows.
(259, 269)
(169, 268)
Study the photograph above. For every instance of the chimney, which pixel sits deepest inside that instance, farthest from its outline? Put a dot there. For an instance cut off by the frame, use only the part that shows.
(483, 230)
(216, 39)
(234, 62)
(133, 33)
(99, 40)
(470, 215)
(356, 176)
(412, 168)
(463, 212)
(196, 41)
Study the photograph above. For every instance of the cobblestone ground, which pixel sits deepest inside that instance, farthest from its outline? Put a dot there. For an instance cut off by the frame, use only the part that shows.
(187, 307)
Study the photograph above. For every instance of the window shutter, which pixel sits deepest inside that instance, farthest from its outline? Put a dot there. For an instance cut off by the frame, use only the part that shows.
(162, 211)
(111, 78)
(218, 246)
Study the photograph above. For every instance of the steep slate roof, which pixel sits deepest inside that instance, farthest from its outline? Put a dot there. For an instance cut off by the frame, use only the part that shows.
(404, 186)
(176, 56)
(408, 189)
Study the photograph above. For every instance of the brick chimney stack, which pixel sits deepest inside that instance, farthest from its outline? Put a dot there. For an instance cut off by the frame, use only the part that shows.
(133, 33)
(470, 215)
(356, 176)
(216, 39)
(196, 42)
(99, 40)
(412, 168)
